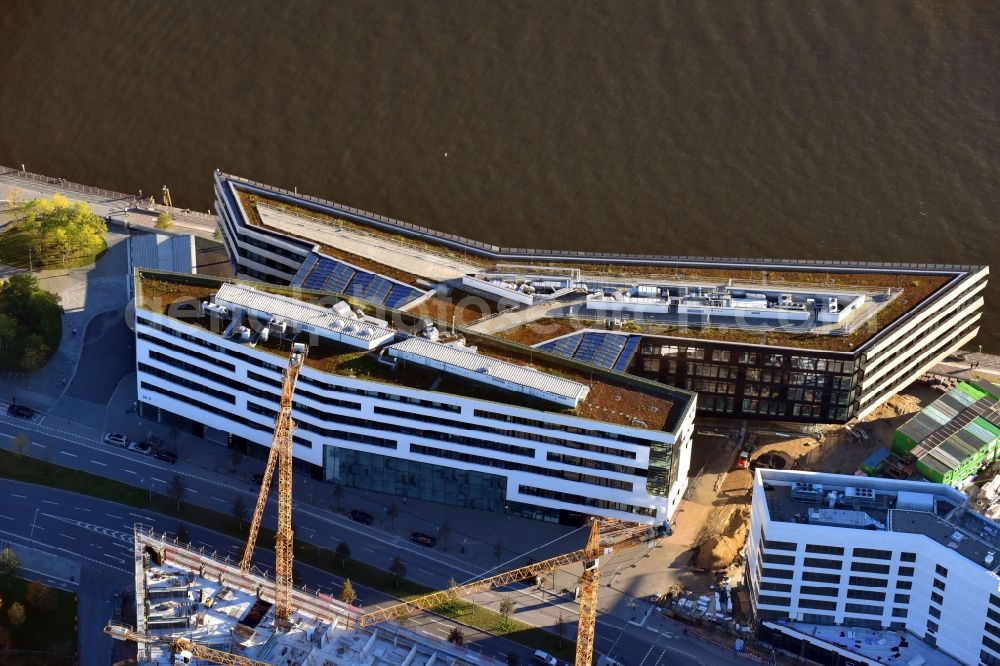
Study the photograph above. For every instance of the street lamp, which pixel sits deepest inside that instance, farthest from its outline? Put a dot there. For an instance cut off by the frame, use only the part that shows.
(32, 535)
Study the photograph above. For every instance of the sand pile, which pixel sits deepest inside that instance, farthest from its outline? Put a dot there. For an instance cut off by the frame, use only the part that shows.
(720, 548)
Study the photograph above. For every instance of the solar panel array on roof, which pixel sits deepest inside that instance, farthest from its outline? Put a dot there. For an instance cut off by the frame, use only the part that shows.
(342, 278)
(621, 365)
(935, 415)
(607, 350)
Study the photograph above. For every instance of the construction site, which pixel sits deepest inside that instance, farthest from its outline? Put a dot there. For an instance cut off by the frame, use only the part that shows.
(191, 607)
(711, 531)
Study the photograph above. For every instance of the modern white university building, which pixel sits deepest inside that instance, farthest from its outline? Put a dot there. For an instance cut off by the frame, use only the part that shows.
(404, 409)
(871, 553)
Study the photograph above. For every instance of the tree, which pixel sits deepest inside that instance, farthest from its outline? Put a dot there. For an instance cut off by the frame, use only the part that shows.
(10, 565)
(240, 510)
(40, 597)
(347, 593)
(506, 608)
(443, 533)
(16, 614)
(498, 551)
(20, 443)
(164, 222)
(177, 490)
(391, 512)
(456, 636)
(36, 352)
(13, 197)
(560, 629)
(397, 569)
(182, 533)
(59, 226)
(8, 331)
(343, 551)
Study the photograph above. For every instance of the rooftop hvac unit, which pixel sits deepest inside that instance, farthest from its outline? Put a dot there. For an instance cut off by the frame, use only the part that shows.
(807, 492)
(215, 308)
(243, 333)
(833, 305)
(860, 496)
(264, 334)
(342, 308)
(278, 326)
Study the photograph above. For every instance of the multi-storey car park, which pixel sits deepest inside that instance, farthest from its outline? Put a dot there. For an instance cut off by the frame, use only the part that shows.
(391, 403)
(853, 560)
(789, 340)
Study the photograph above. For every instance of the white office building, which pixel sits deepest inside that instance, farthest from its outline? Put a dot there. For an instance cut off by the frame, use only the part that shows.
(394, 409)
(871, 553)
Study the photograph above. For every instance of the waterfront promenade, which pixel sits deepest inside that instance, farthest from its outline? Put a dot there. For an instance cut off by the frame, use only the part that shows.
(106, 203)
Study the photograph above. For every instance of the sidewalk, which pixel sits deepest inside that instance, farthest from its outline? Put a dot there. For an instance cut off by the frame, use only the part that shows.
(84, 294)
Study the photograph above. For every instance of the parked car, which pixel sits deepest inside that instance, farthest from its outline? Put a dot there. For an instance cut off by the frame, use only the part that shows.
(743, 462)
(360, 517)
(423, 539)
(140, 447)
(115, 439)
(165, 456)
(23, 411)
(542, 657)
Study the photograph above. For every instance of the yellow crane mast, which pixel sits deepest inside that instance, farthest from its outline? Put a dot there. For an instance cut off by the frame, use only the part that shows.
(618, 536)
(184, 650)
(280, 457)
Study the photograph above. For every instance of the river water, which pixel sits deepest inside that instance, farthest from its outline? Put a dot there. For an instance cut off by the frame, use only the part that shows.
(839, 130)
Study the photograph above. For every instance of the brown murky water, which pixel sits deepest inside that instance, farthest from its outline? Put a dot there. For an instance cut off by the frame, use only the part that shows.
(860, 130)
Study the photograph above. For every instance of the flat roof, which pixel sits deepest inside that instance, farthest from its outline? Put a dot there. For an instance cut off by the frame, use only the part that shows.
(163, 251)
(408, 252)
(610, 397)
(464, 359)
(866, 645)
(293, 310)
(934, 510)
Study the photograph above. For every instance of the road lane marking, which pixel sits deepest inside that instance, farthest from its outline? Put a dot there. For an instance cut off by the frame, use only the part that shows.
(81, 508)
(40, 446)
(129, 471)
(112, 557)
(7, 517)
(98, 462)
(146, 518)
(192, 490)
(111, 515)
(19, 496)
(156, 479)
(217, 499)
(67, 536)
(50, 502)
(71, 455)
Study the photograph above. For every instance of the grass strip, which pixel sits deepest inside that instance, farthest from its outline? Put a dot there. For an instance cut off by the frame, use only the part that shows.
(15, 243)
(40, 472)
(47, 635)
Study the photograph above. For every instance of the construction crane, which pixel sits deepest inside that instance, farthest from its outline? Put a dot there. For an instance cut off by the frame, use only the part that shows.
(185, 651)
(280, 457)
(618, 536)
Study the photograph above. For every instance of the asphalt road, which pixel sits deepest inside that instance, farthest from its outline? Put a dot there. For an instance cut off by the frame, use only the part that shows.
(107, 529)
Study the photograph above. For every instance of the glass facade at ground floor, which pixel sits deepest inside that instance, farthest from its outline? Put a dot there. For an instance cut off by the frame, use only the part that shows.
(417, 480)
